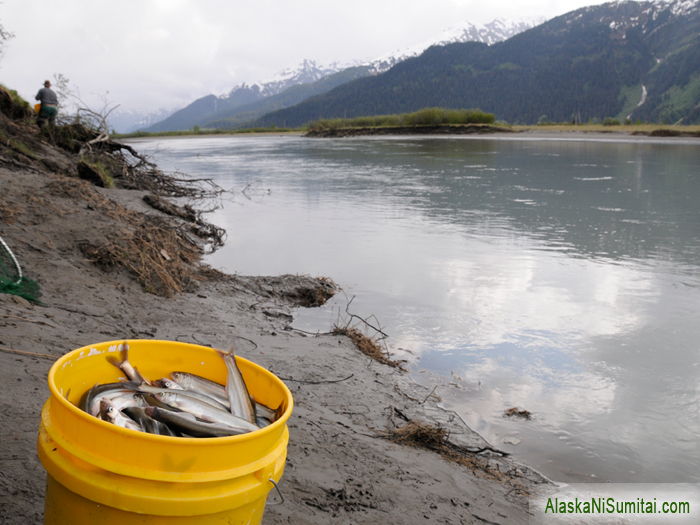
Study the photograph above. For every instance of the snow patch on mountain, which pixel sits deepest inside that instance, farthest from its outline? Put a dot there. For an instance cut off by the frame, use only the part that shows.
(620, 21)
(304, 72)
(683, 7)
(496, 31)
(128, 120)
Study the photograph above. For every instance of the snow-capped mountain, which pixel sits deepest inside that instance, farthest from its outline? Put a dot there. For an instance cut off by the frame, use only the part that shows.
(650, 13)
(212, 108)
(128, 120)
(198, 113)
(637, 60)
(308, 71)
(496, 31)
(305, 72)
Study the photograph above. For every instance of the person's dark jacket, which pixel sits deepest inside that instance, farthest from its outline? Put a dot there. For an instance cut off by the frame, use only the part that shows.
(47, 96)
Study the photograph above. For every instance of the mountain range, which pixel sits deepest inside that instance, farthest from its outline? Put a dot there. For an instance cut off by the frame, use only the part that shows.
(624, 59)
(636, 60)
(128, 120)
(246, 102)
(207, 108)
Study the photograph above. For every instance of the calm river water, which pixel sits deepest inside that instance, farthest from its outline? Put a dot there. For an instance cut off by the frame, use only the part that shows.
(561, 277)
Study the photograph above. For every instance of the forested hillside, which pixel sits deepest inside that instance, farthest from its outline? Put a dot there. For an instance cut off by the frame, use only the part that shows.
(636, 60)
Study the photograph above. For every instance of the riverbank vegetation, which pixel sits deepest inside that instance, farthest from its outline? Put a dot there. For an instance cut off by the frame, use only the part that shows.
(658, 130)
(423, 117)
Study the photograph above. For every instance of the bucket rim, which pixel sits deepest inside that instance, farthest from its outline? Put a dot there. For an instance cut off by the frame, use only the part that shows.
(91, 350)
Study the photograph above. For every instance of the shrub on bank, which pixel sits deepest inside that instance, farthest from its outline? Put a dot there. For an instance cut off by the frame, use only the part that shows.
(422, 117)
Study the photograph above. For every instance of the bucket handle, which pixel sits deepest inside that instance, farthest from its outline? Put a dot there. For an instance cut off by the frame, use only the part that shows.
(268, 504)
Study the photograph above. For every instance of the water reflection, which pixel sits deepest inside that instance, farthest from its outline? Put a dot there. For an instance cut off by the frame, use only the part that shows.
(559, 277)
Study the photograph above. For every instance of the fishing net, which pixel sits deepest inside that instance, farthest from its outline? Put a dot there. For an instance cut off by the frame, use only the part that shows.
(11, 279)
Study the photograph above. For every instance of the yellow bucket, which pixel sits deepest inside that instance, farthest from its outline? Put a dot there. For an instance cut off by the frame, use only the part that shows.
(37, 107)
(98, 472)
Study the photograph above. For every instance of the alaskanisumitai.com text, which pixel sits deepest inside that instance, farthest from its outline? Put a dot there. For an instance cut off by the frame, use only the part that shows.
(611, 506)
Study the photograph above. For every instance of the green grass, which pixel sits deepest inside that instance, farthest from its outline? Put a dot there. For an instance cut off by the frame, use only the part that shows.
(20, 146)
(423, 117)
(602, 128)
(103, 171)
(16, 98)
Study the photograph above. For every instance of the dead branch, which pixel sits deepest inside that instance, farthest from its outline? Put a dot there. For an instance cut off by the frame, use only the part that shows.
(428, 396)
(353, 316)
(316, 382)
(29, 320)
(32, 354)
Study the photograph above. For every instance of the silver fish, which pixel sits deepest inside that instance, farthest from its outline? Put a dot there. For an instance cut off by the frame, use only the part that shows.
(267, 412)
(188, 393)
(204, 411)
(153, 402)
(128, 399)
(202, 385)
(170, 383)
(90, 401)
(150, 425)
(205, 386)
(109, 412)
(236, 389)
(189, 425)
(262, 422)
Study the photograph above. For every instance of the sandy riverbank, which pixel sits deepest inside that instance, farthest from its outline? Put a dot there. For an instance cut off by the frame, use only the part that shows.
(340, 467)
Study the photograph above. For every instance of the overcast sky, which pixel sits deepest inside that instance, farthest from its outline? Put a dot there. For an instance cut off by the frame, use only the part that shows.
(148, 54)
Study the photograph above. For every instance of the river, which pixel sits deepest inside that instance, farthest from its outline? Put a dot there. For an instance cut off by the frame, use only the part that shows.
(558, 276)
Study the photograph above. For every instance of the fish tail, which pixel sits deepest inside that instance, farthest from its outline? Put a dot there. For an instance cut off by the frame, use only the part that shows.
(124, 351)
(230, 351)
(225, 353)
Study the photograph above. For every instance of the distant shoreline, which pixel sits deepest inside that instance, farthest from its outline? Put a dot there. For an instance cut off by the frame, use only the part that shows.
(548, 132)
(603, 136)
(468, 129)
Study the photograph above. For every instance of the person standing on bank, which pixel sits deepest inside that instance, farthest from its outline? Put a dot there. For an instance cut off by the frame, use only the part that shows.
(49, 105)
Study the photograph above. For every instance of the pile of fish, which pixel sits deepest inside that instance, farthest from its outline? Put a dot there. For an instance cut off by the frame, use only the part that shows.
(184, 405)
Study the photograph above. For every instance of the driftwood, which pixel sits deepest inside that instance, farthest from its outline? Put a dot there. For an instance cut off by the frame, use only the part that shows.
(185, 212)
(98, 122)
